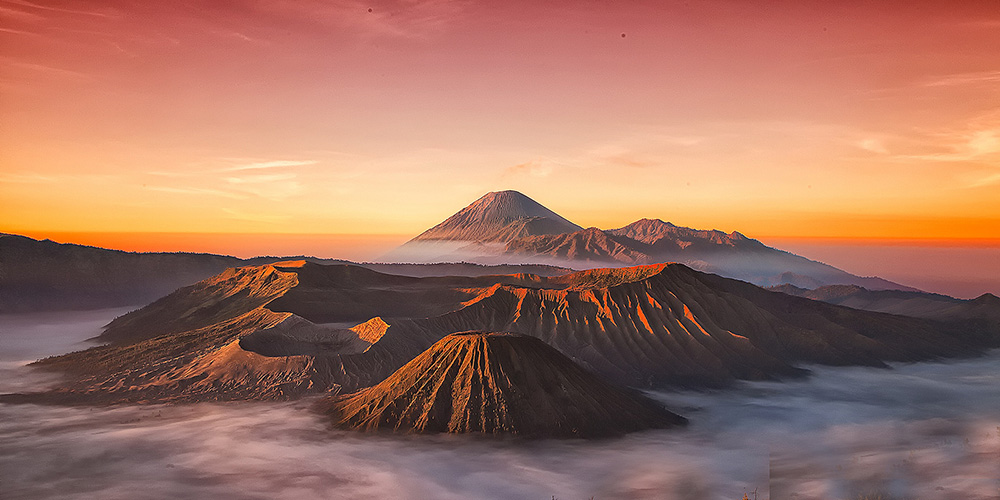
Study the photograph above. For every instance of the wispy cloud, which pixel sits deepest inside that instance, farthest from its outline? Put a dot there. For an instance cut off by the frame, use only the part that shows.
(541, 167)
(268, 186)
(18, 13)
(255, 217)
(17, 32)
(964, 146)
(398, 19)
(51, 70)
(197, 191)
(260, 178)
(962, 79)
(259, 165)
(872, 145)
(26, 178)
(987, 180)
(50, 8)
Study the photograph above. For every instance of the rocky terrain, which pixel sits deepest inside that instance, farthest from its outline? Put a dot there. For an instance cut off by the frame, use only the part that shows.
(282, 330)
(496, 383)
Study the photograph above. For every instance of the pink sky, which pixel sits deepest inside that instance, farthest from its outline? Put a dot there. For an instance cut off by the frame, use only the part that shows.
(778, 119)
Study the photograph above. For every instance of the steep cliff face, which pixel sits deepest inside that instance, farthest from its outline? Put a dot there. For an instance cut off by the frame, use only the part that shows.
(260, 332)
(497, 383)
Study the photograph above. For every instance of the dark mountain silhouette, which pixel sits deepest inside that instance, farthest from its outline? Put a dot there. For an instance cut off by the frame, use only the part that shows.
(45, 275)
(279, 331)
(916, 304)
(497, 383)
(42, 275)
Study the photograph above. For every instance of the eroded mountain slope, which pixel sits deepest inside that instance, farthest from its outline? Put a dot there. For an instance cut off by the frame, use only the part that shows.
(497, 383)
(265, 332)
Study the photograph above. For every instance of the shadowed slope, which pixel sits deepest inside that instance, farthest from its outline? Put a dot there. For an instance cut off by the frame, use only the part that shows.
(497, 383)
(588, 245)
(47, 276)
(916, 304)
(648, 241)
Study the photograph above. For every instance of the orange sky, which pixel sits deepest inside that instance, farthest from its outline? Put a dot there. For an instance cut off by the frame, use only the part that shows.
(777, 119)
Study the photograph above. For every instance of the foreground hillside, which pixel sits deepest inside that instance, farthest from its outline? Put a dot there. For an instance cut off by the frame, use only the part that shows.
(496, 383)
(282, 330)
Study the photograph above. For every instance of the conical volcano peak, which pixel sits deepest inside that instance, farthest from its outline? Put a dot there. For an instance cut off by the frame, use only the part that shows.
(497, 383)
(499, 216)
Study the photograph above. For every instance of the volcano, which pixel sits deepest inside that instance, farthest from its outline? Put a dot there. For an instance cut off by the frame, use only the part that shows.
(497, 383)
(507, 227)
(283, 330)
(499, 216)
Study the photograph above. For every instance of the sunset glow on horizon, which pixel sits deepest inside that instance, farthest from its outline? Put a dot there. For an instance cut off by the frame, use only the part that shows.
(845, 120)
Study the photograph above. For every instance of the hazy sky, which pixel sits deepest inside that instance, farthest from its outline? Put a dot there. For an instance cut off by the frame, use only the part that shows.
(785, 119)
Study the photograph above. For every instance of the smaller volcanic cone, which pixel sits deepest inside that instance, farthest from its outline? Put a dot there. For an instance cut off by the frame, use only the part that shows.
(497, 383)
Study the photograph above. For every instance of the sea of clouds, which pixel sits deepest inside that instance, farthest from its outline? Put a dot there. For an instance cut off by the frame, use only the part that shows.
(927, 430)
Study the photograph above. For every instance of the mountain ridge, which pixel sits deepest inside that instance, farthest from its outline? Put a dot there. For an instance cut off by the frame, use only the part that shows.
(44, 275)
(660, 325)
(483, 232)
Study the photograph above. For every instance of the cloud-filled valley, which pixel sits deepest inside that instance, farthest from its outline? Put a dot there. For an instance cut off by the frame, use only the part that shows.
(929, 430)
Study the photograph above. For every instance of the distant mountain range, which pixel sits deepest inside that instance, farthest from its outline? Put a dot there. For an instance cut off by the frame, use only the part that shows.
(509, 227)
(986, 307)
(501, 233)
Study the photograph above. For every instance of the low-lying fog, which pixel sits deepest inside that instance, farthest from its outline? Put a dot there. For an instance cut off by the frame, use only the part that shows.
(920, 431)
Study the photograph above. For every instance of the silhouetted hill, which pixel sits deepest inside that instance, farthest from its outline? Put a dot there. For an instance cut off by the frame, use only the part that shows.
(47, 276)
(916, 304)
(497, 383)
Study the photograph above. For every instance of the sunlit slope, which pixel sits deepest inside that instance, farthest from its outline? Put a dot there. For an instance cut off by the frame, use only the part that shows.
(497, 383)
(284, 330)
